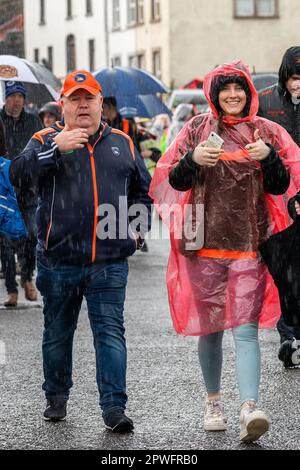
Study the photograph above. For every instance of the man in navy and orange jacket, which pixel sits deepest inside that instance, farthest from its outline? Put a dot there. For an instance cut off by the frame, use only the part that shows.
(89, 177)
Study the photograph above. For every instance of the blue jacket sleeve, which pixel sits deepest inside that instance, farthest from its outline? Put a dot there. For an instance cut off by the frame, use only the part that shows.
(34, 162)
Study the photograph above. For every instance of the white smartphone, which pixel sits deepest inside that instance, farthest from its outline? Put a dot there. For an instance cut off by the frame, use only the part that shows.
(214, 141)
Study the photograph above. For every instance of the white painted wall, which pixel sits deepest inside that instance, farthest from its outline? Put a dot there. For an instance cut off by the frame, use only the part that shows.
(122, 43)
(57, 28)
(205, 34)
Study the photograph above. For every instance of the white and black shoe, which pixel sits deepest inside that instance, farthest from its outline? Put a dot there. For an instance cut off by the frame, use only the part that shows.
(289, 353)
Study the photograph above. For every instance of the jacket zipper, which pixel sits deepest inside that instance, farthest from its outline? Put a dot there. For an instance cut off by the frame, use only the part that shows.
(51, 215)
(96, 197)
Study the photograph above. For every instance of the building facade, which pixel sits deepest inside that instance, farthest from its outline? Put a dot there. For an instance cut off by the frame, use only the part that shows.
(66, 34)
(12, 28)
(177, 40)
(256, 31)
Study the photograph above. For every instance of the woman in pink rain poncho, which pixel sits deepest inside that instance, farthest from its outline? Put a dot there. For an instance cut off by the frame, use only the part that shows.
(220, 205)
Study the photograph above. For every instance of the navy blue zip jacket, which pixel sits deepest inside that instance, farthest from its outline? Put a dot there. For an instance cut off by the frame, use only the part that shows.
(73, 189)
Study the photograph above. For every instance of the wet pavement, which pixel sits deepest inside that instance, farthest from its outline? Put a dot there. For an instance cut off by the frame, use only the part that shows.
(165, 388)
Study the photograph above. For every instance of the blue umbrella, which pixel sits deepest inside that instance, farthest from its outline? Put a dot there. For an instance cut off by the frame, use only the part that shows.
(147, 106)
(118, 81)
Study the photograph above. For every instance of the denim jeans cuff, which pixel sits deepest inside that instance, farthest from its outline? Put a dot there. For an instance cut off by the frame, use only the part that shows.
(56, 397)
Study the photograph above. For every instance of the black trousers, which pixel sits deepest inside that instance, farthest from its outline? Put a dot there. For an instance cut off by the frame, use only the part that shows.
(26, 251)
(287, 332)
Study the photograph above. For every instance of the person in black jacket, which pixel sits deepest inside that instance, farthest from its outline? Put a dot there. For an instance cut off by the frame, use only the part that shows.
(280, 103)
(91, 182)
(281, 253)
(3, 150)
(19, 128)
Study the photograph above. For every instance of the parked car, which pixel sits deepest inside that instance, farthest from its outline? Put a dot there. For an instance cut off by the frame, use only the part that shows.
(195, 97)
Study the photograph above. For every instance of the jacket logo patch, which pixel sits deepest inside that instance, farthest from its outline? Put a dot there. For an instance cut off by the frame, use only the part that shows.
(80, 78)
(116, 151)
(276, 113)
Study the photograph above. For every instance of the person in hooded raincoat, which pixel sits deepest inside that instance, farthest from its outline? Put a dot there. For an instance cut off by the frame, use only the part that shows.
(281, 103)
(183, 113)
(232, 197)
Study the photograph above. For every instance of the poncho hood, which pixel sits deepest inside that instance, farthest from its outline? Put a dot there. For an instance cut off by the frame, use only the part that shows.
(238, 69)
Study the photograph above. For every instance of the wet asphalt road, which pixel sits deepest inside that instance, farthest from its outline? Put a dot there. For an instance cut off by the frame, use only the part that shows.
(165, 388)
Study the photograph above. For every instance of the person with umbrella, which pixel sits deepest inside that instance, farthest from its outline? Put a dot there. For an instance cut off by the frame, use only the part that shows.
(132, 91)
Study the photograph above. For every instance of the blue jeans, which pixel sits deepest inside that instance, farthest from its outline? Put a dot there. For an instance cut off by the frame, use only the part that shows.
(63, 288)
(247, 361)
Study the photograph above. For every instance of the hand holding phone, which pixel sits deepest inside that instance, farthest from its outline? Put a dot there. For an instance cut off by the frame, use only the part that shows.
(214, 141)
(208, 153)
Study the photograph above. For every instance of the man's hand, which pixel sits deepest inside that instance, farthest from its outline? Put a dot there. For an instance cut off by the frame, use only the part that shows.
(258, 150)
(205, 156)
(297, 205)
(68, 140)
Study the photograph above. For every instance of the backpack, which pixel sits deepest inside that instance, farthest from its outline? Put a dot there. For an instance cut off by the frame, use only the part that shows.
(11, 221)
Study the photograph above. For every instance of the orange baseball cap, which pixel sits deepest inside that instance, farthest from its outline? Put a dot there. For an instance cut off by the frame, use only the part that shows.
(80, 80)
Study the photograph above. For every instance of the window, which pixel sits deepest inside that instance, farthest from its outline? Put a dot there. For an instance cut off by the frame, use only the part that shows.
(116, 61)
(256, 8)
(50, 58)
(36, 55)
(136, 12)
(132, 12)
(140, 11)
(141, 61)
(89, 8)
(157, 64)
(155, 10)
(132, 61)
(71, 53)
(92, 54)
(116, 14)
(69, 10)
(42, 12)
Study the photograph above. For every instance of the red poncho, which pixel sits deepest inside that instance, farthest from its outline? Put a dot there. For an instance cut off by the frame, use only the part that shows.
(225, 284)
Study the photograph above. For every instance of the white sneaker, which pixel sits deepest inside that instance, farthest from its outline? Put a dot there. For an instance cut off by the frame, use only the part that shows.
(214, 419)
(253, 422)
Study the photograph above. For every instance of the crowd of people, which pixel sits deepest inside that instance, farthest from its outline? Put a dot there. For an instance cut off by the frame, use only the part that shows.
(240, 163)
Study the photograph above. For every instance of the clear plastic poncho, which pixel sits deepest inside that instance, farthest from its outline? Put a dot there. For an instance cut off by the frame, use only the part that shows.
(224, 283)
